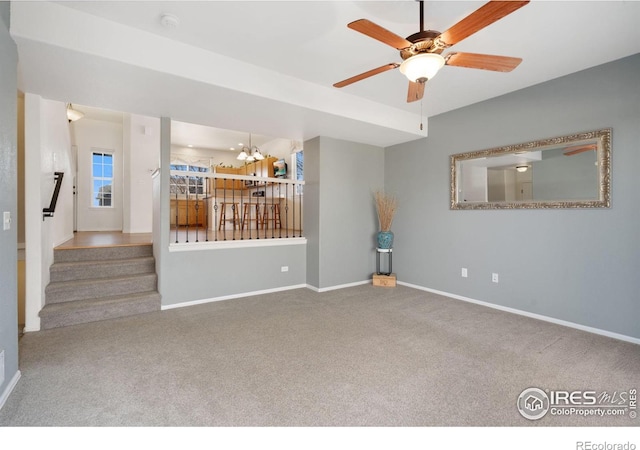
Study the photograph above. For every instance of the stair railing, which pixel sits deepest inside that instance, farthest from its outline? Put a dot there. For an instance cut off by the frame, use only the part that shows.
(48, 212)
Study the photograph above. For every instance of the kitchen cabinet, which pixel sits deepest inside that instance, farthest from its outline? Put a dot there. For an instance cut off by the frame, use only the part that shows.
(226, 184)
(262, 169)
(187, 212)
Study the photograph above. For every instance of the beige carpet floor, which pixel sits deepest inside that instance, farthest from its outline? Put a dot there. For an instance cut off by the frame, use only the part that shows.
(362, 356)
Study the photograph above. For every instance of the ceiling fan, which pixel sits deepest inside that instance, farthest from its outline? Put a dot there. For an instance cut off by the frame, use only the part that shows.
(577, 149)
(421, 52)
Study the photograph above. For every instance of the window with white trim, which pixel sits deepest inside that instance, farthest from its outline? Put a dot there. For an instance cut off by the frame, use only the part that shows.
(180, 184)
(102, 179)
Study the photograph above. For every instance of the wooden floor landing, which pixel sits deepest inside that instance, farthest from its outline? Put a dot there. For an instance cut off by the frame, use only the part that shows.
(88, 239)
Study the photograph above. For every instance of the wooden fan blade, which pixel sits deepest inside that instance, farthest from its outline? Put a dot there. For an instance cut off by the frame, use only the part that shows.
(383, 35)
(477, 20)
(485, 62)
(416, 91)
(367, 74)
(579, 149)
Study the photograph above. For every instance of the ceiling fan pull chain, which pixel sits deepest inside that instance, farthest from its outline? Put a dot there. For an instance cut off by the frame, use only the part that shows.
(421, 101)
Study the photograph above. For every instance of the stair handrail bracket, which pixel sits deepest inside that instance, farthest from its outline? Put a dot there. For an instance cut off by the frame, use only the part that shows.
(48, 212)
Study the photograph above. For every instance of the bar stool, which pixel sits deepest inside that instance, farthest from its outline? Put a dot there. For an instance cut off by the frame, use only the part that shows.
(223, 216)
(276, 216)
(246, 215)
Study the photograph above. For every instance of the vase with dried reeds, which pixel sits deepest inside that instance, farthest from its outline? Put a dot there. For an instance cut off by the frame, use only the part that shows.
(386, 206)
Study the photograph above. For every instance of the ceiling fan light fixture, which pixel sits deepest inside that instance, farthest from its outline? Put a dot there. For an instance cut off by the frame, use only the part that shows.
(422, 67)
(73, 114)
(522, 168)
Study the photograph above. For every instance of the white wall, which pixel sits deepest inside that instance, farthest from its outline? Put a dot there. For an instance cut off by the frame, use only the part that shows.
(278, 148)
(141, 150)
(496, 179)
(474, 184)
(89, 134)
(47, 150)
(205, 156)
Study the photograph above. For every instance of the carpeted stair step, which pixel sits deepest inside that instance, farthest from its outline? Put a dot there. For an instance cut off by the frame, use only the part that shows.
(82, 311)
(66, 291)
(85, 270)
(98, 283)
(102, 253)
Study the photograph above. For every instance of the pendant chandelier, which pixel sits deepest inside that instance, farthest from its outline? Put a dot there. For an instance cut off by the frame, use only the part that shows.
(250, 153)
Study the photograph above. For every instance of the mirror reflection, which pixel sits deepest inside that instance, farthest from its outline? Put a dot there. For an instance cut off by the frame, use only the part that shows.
(565, 172)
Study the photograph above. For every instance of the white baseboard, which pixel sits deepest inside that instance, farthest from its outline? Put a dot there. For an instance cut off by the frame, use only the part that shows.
(9, 389)
(340, 286)
(233, 296)
(565, 323)
(63, 240)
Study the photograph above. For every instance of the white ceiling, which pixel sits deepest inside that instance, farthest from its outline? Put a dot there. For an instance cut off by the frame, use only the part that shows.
(185, 134)
(269, 66)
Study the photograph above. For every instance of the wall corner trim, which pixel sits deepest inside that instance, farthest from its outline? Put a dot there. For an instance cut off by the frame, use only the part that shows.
(12, 384)
(340, 286)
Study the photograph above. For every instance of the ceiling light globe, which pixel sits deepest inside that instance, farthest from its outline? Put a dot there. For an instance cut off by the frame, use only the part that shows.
(73, 114)
(422, 67)
(522, 168)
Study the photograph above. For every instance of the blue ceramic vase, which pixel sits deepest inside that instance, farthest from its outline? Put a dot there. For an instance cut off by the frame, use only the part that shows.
(385, 239)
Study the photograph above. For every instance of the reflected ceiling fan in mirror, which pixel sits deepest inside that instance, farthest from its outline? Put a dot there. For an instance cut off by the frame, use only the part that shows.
(421, 52)
(577, 149)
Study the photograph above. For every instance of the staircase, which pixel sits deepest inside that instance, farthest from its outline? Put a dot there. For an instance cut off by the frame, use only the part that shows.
(99, 283)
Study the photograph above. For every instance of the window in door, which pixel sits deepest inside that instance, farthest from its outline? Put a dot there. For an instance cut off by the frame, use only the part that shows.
(102, 179)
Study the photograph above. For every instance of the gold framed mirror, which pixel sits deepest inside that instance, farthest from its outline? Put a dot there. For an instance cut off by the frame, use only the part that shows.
(563, 172)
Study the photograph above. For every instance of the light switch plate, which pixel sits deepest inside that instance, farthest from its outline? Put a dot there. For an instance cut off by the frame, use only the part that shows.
(6, 220)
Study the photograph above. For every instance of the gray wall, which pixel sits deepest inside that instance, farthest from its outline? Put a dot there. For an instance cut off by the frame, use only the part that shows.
(8, 200)
(205, 274)
(340, 217)
(575, 265)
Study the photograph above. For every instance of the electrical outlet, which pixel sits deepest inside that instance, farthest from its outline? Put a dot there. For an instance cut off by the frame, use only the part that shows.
(494, 277)
(464, 272)
(284, 269)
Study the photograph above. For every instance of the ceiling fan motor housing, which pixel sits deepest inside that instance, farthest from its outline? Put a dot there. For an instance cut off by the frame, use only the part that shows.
(423, 42)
